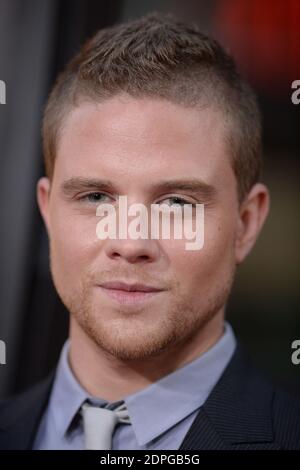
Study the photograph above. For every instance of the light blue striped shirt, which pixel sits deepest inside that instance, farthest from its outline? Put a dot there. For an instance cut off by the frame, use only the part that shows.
(161, 414)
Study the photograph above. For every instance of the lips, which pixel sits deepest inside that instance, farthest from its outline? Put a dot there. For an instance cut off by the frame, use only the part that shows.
(129, 287)
(129, 293)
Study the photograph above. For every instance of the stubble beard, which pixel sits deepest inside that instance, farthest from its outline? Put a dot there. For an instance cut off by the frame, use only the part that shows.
(131, 336)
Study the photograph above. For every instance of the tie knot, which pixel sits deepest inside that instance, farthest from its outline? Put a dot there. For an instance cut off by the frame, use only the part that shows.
(99, 424)
(122, 413)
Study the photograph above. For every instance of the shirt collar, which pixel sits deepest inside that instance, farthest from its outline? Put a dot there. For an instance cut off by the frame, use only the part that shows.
(156, 408)
(166, 402)
(67, 395)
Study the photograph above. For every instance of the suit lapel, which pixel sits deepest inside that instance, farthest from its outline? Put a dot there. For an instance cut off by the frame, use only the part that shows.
(20, 416)
(237, 414)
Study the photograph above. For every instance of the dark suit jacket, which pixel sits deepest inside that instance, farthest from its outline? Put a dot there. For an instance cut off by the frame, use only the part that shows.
(244, 411)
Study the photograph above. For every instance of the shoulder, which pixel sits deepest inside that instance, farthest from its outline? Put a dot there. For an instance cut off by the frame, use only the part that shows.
(286, 419)
(22, 401)
(248, 411)
(21, 414)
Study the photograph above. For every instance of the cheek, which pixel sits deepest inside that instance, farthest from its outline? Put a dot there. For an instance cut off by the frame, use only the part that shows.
(73, 241)
(212, 263)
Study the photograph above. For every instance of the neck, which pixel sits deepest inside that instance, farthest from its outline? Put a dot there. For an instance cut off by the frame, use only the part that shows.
(106, 376)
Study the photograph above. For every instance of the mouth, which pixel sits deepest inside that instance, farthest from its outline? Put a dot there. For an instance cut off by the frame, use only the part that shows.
(129, 293)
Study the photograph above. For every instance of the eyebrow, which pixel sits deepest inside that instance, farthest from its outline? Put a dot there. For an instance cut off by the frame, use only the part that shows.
(73, 185)
(192, 185)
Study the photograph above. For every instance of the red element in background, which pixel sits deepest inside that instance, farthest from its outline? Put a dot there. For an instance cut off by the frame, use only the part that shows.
(264, 38)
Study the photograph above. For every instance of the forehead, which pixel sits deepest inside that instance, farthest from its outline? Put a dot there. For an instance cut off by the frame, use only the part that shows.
(127, 138)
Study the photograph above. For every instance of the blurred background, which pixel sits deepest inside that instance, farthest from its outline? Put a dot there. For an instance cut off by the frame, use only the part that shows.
(37, 38)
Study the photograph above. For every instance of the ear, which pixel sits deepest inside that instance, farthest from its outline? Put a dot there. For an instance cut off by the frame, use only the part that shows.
(43, 195)
(252, 215)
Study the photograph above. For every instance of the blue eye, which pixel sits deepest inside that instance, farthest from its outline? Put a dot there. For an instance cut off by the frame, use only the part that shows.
(93, 197)
(178, 201)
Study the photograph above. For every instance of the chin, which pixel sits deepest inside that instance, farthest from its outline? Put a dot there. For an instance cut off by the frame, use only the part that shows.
(130, 345)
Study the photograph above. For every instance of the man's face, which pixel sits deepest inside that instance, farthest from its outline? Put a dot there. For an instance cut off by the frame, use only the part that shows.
(135, 146)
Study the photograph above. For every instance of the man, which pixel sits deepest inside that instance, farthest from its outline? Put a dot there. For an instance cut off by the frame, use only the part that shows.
(155, 111)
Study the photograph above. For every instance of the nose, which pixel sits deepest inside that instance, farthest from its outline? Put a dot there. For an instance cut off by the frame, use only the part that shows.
(132, 251)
